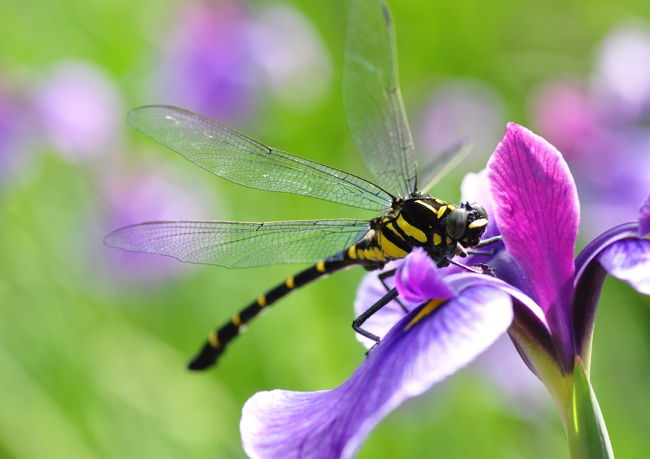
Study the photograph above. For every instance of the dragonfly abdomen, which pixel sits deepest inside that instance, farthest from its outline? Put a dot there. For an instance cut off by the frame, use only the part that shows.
(219, 338)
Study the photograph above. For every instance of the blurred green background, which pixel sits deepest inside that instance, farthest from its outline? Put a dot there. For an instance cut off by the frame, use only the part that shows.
(93, 345)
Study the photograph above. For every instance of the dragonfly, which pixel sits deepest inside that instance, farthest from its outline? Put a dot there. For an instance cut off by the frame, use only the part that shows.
(408, 217)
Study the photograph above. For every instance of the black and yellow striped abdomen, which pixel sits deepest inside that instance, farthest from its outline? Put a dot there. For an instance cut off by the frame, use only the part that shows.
(219, 339)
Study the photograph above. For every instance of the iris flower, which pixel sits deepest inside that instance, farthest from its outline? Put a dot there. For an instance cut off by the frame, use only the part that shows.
(544, 298)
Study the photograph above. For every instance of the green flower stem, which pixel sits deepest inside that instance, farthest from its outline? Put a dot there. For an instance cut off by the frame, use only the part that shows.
(588, 438)
(573, 395)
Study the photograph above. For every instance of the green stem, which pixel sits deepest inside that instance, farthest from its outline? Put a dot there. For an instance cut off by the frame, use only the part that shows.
(588, 438)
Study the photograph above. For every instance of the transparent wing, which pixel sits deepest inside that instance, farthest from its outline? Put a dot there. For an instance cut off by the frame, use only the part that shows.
(240, 245)
(444, 162)
(372, 98)
(242, 160)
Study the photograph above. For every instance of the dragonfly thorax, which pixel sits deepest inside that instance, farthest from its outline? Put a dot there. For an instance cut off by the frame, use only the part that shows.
(422, 221)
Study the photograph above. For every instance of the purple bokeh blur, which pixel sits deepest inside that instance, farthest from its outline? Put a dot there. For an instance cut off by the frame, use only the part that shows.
(15, 148)
(207, 65)
(146, 193)
(80, 110)
(221, 59)
(461, 110)
(602, 126)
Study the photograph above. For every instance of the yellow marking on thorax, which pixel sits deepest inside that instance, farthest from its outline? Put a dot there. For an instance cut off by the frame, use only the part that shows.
(390, 227)
(213, 339)
(236, 320)
(352, 252)
(389, 249)
(441, 212)
(428, 206)
(289, 282)
(425, 311)
(411, 230)
(449, 240)
(261, 301)
(438, 201)
(436, 239)
(320, 266)
(451, 207)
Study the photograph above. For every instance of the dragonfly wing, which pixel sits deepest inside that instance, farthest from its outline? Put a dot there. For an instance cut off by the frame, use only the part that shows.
(240, 245)
(372, 98)
(441, 164)
(242, 160)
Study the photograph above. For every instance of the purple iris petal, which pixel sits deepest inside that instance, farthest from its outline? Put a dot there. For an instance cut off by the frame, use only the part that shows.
(644, 218)
(537, 211)
(417, 279)
(629, 260)
(596, 246)
(618, 252)
(406, 363)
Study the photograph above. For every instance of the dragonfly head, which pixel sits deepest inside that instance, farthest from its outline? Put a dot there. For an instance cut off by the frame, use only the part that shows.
(467, 223)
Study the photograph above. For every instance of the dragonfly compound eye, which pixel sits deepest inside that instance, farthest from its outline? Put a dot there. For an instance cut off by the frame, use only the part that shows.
(456, 223)
(480, 209)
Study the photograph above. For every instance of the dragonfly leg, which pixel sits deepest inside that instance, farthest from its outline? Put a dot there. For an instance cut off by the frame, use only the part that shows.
(382, 278)
(358, 322)
(468, 268)
(489, 241)
(483, 243)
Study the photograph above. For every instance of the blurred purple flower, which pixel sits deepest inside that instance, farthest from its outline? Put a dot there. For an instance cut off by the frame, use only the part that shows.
(461, 109)
(80, 110)
(219, 57)
(14, 148)
(501, 367)
(604, 128)
(622, 75)
(566, 115)
(207, 63)
(145, 194)
(460, 314)
(291, 54)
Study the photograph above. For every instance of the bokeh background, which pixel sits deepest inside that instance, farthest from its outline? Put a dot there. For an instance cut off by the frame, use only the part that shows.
(94, 342)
